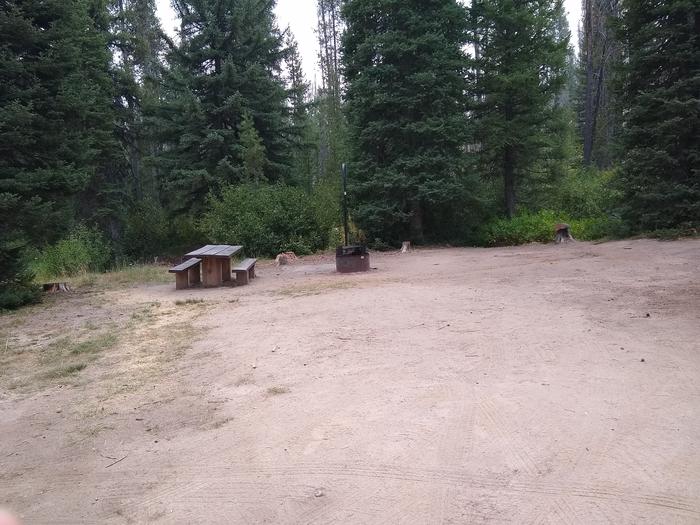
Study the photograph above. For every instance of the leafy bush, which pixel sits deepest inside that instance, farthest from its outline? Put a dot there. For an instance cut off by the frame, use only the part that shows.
(146, 232)
(672, 234)
(529, 227)
(84, 250)
(17, 282)
(266, 220)
(185, 234)
(587, 193)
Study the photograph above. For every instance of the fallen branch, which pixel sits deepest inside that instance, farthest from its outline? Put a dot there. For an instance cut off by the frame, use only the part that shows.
(119, 460)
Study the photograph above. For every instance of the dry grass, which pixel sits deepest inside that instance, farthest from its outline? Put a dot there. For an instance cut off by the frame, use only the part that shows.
(187, 302)
(220, 423)
(29, 367)
(316, 289)
(64, 371)
(277, 391)
(126, 276)
(104, 341)
(244, 380)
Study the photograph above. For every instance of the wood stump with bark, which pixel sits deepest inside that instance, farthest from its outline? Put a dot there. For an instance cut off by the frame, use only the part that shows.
(562, 233)
(55, 287)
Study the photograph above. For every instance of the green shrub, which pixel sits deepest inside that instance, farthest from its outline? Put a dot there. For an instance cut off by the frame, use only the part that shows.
(266, 220)
(84, 250)
(672, 234)
(529, 227)
(19, 292)
(146, 231)
(185, 234)
(17, 285)
(586, 193)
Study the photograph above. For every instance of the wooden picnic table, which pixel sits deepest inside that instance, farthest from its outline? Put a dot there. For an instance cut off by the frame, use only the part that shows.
(216, 262)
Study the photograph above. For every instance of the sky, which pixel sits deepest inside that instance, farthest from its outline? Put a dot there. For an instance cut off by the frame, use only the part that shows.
(300, 16)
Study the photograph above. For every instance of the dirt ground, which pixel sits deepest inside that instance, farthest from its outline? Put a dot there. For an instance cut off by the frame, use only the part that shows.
(538, 384)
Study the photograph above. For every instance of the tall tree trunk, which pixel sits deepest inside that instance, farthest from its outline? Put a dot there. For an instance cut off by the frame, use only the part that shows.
(416, 224)
(509, 180)
(588, 117)
(509, 163)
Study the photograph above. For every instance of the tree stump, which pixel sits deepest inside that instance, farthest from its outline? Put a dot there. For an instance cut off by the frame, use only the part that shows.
(406, 246)
(285, 258)
(562, 233)
(55, 287)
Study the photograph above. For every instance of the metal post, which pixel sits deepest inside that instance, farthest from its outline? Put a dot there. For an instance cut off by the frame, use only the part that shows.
(345, 203)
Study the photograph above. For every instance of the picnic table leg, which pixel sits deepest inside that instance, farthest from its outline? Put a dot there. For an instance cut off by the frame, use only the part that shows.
(195, 277)
(181, 281)
(211, 272)
(226, 269)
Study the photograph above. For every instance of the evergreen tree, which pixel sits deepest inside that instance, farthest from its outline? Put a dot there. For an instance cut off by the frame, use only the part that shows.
(227, 64)
(661, 96)
(518, 74)
(253, 154)
(599, 56)
(16, 282)
(405, 69)
(132, 32)
(330, 122)
(302, 134)
(297, 84)
(137, 45)
(56, 119)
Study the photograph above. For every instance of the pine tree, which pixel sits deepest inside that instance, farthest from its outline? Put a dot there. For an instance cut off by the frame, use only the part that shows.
(599, 56)
(227, 64)
(518, 75)
(661, 95)
(16, 282)
(55, 121)
(330, 121)
(303, 142)
(137, 45)
(253, 154)
(405, 69)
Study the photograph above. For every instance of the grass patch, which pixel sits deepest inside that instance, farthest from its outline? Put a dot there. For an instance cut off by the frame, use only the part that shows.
(66, 346)
(96, 345)
(316, 289)
(65, 371)
(147, 313)
(29, 365)
(221, 422)
(188, 302)
(529, 227)
(277, 391)
(673, 234)
(244, 380)
(65, 357)
(124, 277)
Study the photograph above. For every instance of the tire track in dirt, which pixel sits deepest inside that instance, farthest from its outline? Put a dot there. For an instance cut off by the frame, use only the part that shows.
(457, 443)
(232, 475)
(505, 436)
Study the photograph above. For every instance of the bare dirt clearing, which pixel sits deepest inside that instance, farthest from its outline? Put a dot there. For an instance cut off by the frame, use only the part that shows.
(536, 384)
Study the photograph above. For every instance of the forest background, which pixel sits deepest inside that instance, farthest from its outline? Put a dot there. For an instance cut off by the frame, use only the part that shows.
(478, 124)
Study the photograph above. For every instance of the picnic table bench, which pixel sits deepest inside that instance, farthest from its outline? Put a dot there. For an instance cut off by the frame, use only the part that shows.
(187, 273)
(245, 271)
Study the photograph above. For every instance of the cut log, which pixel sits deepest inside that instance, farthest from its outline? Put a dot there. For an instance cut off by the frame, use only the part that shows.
(405, 246)
(285, 258)
(562, 233)
(56, 287)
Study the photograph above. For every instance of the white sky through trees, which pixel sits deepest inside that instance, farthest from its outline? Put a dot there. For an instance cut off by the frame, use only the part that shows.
(300, 16)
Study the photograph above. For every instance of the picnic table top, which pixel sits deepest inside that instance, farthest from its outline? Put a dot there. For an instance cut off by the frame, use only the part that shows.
(215, 250)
